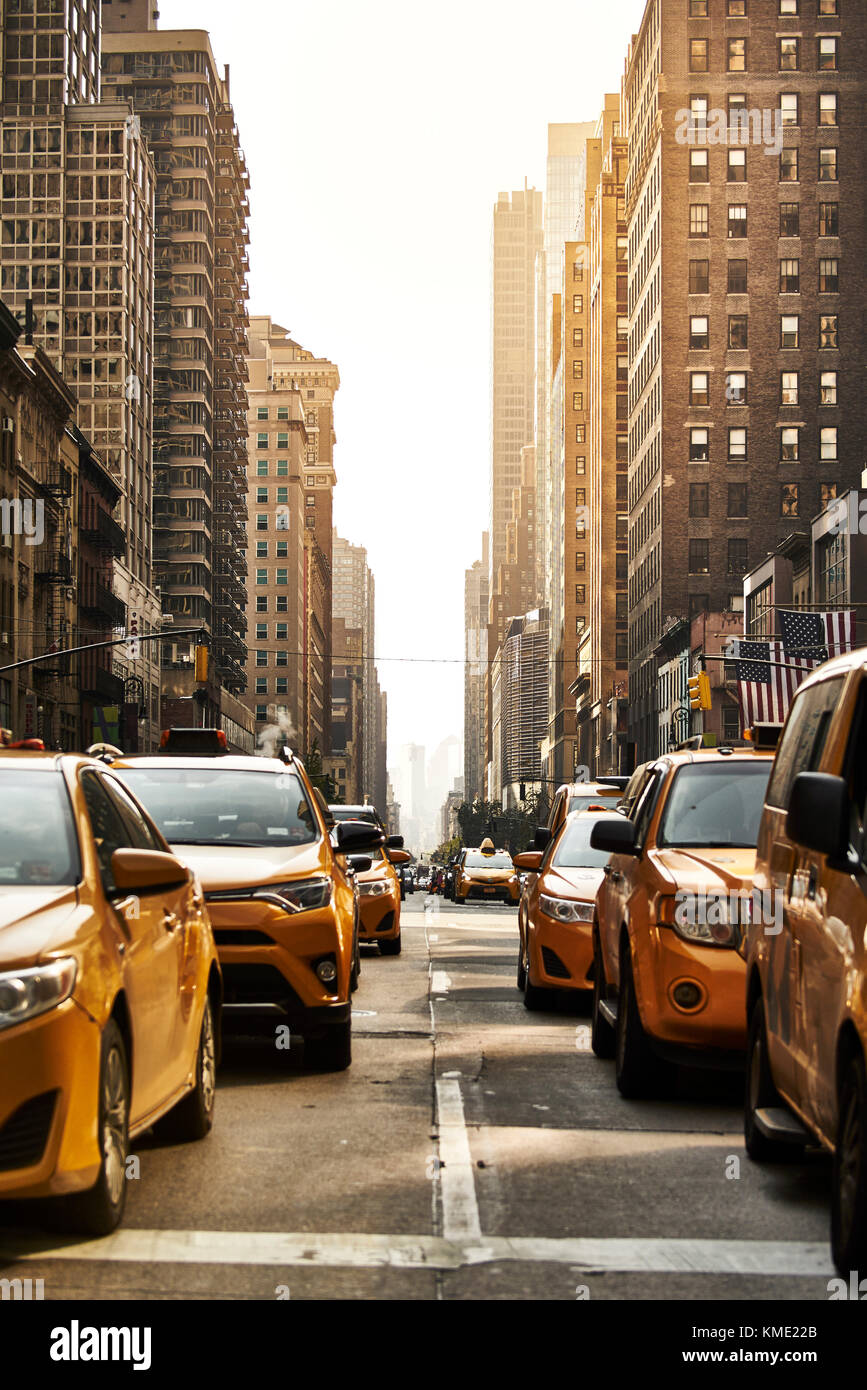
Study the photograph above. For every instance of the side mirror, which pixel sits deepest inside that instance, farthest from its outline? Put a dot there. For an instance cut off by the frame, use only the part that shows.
(818, 815)
(394, 842)
(529, 861)
(615, 836)
(397, 856)
(542, 837)
(359, 862)
(145, 871)
(356, 836)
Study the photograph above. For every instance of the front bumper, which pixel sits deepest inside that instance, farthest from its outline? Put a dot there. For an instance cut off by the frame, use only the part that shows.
(561, 954)
(379, 918)
(488, 892)
(714, 1032)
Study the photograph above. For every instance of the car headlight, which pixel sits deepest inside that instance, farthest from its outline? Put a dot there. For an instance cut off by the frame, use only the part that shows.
(302, 896)
(27, 993)
(711, 919)
(565, 909)
(376, 888)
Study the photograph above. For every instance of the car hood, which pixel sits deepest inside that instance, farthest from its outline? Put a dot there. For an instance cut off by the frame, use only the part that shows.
(233, 866)
(572, 883)
(724, 870)
(35, 921)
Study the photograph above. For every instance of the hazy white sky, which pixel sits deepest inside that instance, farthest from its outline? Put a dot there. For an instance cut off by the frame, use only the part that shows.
(378, 134)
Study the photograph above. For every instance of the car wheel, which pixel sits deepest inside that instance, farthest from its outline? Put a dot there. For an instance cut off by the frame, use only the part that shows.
(849, 1190)
(602, 1037)
(390, 948)
(98, 1211)
(522, 969)
(760, 1092)
(355, 972)
(331, 1053)
(638, 1072)
(193, 1116)
(534, 997)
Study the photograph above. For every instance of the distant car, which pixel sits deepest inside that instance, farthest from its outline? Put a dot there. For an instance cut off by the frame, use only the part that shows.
(422, 877)
(486, 873)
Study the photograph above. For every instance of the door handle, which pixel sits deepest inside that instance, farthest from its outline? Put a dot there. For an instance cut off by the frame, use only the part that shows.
(170, 920)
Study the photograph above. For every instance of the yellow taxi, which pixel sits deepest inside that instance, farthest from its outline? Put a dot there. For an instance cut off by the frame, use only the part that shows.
(674, 900)
(555, 917)
(110, 990)
(379, 894)
(281, 895)
(486, 874)
(580, 796)
(806, 953)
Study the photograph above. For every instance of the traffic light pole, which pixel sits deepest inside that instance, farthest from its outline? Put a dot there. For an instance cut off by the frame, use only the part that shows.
(95, 646)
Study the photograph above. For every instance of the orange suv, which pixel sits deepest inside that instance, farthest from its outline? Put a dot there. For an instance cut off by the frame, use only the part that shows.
(676, 894)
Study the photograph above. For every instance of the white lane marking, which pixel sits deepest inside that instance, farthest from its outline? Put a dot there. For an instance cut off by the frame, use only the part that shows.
(440, 982)
(457, 1181)
(800, 1259)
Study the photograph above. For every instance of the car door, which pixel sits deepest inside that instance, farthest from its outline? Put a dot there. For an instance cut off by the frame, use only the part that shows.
(622, 871)
(148, 945)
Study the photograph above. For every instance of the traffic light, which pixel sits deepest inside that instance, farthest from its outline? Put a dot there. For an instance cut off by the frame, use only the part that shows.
(201, 663)
(699, 691)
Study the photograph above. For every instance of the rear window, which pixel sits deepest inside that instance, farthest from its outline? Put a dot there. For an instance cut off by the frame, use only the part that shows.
(715, 804)
(214, 806)
(38, 844)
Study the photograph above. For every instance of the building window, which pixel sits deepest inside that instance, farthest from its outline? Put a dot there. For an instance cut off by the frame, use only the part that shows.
(261, 468)
(578, 368)
(261, 521)
(262, 658)
(790, 55)
(787, 7)
(282, 603)
(827, 108)
(698, 56)
(737, 556)
(261, 494)
(788, 499)
(829, 220)
(698, 9)
(790, 276)
(580, 495)
(827, 493)
(261, 685)
(698, 166)
(828, 331)
(790, 332)
(282, 576)
(262, 413)
(282, 632)
(578, 271)
(738, 332)
(699, 557)
(698, 499)
(577, 304)
(261, 550)
(577, 337)
(282, 550)
(698, 224)
(580, 593)
(698, 388)
(828, 388)
(698, 332)
(282, 468)
(737, 499)
(790, 444)
(828, 443)
(737, 220)
(789, 166)
(580, 560)
(736, 54)
(828, 7)
(261, 441)
(579, 434)
(731, 722)
(737, 166)
(736, 9)
(282, 659)
(581, 464)
(698, 446)
(789, 113)
(282, 412)
(790, 219)
(737, 445)
(580, 624)
(788, 388)
(828, 164)
(282, 685)
(261, 576)
(736, 388)
(829, 276)
(261, 632)
(737, 277)
(261, 603)
(699, 275)
(577, 400)
(283, 441)
(827, 55)
(282, 495)
(261, 713)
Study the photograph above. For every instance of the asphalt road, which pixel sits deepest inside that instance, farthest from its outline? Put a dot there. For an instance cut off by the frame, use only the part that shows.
(472, 1151)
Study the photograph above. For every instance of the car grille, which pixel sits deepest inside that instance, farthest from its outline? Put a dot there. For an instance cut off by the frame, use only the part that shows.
(257, 984)
(554, 965)
(387, 922)
(241, 937)
(25, 1133)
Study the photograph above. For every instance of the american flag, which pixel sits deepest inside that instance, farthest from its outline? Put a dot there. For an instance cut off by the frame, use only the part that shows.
(769, 673)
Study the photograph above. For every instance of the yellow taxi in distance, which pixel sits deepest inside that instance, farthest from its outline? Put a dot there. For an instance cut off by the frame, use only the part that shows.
(555, 917)
(110, 990)
(487, 874)
(806, 955)
(379, 894)
(675, 897)
(281, 896)
(580, 796)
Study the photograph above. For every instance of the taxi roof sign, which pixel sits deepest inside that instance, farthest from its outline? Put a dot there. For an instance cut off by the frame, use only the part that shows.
(196, 743)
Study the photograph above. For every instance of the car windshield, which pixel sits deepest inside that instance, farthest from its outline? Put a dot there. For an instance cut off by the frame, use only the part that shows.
(224, 806)
(573, 847)
(581, 801)
(355, 813)
(38, 844)
(715, 804)
(488, 861)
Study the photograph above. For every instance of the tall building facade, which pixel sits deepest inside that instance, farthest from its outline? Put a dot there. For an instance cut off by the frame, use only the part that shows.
(354, 603)
(475, 666)
(182, 104)
(515, 242)
(522, 705)
(745, 188)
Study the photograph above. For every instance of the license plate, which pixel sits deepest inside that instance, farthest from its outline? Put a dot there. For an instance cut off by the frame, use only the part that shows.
(490, 890)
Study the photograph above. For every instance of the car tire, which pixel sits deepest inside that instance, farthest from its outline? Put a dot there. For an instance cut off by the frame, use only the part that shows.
(331, 1053)
(99, 1211)
(849, 1187)
(522, 969)
(535, 998)
(390, 948)
(355, 971)
(639, 1073)
(602, 1035)
(759, 1092)
(193, 1117)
